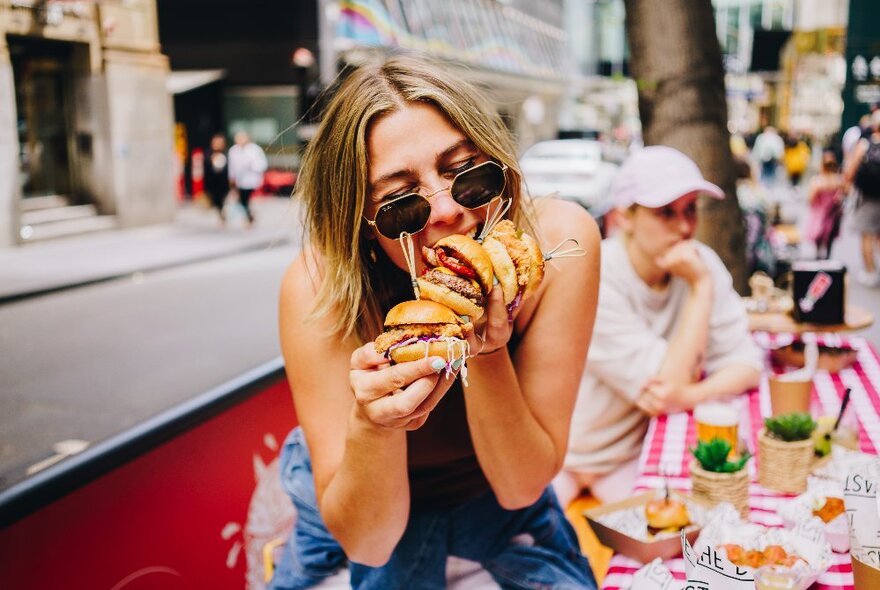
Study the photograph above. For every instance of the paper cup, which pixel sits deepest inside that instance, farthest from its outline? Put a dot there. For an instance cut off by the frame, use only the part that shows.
(789, 396)
(865, 577)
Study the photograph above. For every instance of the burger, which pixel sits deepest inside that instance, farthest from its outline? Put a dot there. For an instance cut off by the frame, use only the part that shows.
(666, 515)
(458, 275)
(517, 262)
(419, 329)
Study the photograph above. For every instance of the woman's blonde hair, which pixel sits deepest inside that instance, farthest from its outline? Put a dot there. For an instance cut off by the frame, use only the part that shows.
(333, 179)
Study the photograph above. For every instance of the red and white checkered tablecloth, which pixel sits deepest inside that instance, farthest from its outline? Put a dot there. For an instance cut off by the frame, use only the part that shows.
(665, 454)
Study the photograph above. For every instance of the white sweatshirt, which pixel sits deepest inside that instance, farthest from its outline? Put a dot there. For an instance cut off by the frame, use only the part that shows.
(631, 334)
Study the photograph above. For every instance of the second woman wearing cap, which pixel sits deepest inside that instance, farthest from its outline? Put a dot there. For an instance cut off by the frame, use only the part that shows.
(670, 330)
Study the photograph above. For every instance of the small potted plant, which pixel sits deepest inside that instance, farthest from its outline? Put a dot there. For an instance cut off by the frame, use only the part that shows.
(716, 478)
(785, 452)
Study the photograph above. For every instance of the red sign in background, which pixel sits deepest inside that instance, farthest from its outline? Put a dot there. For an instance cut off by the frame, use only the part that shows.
(192, 513)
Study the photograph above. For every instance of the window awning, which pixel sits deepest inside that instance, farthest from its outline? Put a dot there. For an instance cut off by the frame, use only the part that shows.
(186, 80)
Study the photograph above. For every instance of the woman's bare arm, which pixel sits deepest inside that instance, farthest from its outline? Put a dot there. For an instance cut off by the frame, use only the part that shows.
(357, 440)
(519, 408)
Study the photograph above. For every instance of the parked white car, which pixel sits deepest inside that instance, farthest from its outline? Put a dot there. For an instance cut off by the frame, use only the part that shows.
(573, 169)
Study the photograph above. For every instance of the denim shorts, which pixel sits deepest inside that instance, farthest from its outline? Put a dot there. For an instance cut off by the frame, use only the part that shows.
(530, 548)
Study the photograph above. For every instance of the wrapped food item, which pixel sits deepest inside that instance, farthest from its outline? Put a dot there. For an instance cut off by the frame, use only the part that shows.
(731, 554)
(860, 495)
(824, 502)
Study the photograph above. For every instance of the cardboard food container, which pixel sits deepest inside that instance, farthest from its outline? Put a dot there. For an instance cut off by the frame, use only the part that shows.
(865, 577)
(622, 527)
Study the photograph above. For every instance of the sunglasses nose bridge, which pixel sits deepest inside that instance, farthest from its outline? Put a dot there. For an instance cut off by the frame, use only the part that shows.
(448, 187)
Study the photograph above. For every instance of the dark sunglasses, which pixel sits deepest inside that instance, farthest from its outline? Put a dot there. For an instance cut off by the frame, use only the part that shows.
(472, 189)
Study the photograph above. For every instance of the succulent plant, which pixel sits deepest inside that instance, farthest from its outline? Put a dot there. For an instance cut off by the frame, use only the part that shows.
(713, 456)
(791, 427)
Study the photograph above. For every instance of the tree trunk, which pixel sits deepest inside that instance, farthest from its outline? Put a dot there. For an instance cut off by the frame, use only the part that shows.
(676, 62)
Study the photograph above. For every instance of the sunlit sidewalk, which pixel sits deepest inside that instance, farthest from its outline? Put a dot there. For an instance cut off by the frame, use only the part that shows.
(195, 235)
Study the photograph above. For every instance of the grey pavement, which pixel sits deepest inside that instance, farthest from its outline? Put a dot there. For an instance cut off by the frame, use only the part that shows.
(133, 323)
(194, 235)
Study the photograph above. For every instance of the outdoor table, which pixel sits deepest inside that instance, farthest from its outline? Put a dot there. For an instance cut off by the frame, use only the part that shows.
(855, 318)
(665, 454)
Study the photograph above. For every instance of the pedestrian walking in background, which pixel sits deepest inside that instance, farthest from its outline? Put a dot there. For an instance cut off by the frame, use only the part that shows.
(862, 170)
(217, 174)
(247, 163)
(757, 210)
(768, 150)
(852, 135)
(825, 198)
(795, 158)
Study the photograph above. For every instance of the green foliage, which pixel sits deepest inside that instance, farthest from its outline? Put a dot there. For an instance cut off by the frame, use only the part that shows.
(712, 456)
(791, 427)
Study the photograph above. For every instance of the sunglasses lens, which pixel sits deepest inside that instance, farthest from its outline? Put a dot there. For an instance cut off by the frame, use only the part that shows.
(478, 186)
(407, 214)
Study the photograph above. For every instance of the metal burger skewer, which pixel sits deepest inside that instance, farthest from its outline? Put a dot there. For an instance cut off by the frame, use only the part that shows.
(570, 252)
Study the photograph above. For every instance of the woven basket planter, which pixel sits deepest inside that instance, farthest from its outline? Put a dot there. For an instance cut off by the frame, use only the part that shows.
(716, 488)
(784, 466)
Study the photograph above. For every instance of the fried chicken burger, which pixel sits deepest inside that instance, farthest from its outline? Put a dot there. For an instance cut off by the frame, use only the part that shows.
(419, 329)
(459, 275)
(517, 262)
(666, 515)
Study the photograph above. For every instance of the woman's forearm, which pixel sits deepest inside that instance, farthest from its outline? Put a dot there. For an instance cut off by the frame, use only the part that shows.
(730, 380)
(366, 503)
(515, 451)
(688, 343)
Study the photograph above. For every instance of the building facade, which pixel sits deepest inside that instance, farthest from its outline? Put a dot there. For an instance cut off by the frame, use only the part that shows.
(86, 136)
(515, 50)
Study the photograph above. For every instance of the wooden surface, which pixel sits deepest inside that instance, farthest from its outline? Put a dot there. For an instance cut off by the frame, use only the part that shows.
(856, 318)
(598, 554)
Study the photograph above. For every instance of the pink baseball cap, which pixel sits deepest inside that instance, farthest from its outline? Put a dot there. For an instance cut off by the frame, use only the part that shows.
(656, 175)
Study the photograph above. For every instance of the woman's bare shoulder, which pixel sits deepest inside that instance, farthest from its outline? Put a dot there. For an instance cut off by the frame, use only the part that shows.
(301, 280)
(559, 219)
(568, 282)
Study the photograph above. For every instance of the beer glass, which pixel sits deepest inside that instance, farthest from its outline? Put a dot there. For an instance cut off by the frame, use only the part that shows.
(717, 420)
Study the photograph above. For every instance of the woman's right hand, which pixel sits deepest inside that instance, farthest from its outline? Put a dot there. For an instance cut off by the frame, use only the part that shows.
(397, 396)
(683, 260)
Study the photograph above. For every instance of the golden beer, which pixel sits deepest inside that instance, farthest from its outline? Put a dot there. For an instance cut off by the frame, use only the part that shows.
(717, 420)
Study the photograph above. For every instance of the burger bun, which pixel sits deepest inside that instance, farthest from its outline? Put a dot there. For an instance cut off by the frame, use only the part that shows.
(420, 311)
(503, 267)
(448, 349)
(666, 514)
(472, 253)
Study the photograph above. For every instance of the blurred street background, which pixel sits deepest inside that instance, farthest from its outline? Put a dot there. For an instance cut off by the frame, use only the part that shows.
(125, 292)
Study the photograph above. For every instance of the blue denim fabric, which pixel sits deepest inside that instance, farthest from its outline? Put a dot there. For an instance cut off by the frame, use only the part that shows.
(532, 548)
(310, 553)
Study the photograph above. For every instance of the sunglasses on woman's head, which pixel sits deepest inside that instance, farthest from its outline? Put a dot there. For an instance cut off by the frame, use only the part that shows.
(472, 189)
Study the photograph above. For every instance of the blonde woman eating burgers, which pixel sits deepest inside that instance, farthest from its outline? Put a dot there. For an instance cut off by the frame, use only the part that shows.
(396, 467)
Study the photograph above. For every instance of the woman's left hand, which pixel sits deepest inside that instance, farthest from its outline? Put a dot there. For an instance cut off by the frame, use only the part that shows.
(494, 329)
(659, 396)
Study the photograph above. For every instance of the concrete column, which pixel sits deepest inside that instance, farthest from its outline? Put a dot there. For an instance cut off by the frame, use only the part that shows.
(140, 137)
(9, 181)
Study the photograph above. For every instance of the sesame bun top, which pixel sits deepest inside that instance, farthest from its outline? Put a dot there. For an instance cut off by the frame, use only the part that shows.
(421, 311)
